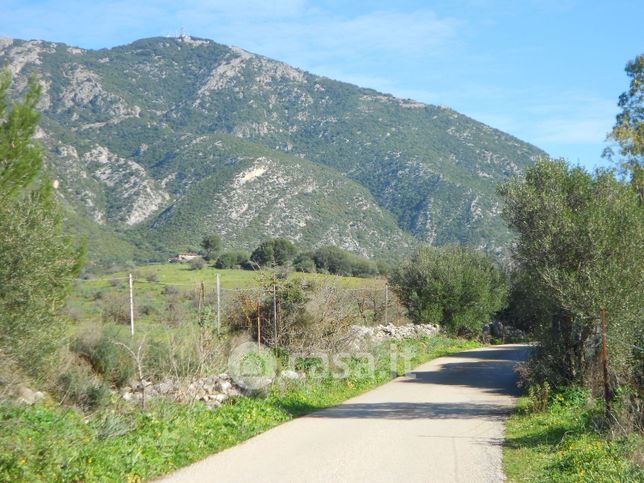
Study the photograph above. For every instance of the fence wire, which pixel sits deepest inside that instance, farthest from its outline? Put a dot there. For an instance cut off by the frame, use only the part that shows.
(207, 302)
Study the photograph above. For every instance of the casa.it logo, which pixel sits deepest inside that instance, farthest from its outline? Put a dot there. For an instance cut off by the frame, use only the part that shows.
(252, 366)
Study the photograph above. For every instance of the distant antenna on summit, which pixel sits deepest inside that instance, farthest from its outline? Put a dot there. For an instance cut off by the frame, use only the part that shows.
(183, 34)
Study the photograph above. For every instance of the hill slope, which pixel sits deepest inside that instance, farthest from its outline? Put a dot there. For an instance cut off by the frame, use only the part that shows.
(152, 141)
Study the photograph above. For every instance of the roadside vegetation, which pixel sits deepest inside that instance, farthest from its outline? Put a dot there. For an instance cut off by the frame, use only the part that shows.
(579, 256)
(566, 440)
(49, 442)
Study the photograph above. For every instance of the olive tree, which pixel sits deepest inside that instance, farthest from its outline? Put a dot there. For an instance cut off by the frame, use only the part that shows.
(580, 242)
(455, 287)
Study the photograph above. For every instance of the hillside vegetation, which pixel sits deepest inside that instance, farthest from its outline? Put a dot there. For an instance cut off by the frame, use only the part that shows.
(164, 140)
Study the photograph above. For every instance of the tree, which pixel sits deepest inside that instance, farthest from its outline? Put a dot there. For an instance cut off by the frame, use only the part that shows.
(277, 251)
(452, 286)
(20, 155)
(37, 261)
(264, 254)
(333, 260)
(283, 251)
(232, 259)
(212, 246)
(628, 131)
(304, 263)
(580, 242)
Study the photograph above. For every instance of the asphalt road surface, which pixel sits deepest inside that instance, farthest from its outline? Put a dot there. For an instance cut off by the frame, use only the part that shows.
(442, 423)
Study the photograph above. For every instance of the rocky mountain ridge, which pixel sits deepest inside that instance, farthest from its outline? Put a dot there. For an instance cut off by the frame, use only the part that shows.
(161, 141)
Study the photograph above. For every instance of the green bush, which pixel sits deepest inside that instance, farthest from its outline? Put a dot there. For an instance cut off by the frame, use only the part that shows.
(106, 357)
(78, 386)
(304, 263)
(232, 259)
(452, 286)
(115, 307)
(197, 263)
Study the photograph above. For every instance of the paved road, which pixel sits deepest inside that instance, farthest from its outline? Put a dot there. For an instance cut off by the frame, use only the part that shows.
(444, 423)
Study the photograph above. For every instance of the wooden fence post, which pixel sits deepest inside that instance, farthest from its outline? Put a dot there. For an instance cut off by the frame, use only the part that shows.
(131, 306)
(218, 306)
(386, 302)
(602, 316)
(259, 326)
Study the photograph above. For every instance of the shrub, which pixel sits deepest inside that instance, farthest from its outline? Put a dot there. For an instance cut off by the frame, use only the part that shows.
(175, 312)
(152, 276)
(337, 261)
(452, 286)
(105, 357)
(197, 263)
(539, 396)
(304, 263)
(232, 259)
(116, 308)
(77, 384)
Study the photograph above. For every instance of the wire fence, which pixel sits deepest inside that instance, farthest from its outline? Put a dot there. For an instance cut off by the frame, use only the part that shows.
(133, 299)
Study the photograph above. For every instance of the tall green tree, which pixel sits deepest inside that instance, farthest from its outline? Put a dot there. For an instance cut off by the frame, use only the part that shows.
(37, 261)
(212, 245)
(20, 154)
(283, 251)
(277, 251)
(580, 244)
(452, 286)
(628, 131)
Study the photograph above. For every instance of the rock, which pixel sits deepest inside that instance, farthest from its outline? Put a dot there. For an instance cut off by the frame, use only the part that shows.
(391, 331)
(164, 387)
(288, 374)
(223, 386)
(234, 391)
(128, 396)
(220, 397)
(28, 396)
(212, 380)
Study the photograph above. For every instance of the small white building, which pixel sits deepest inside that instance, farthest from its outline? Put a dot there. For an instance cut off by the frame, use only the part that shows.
(184, 257)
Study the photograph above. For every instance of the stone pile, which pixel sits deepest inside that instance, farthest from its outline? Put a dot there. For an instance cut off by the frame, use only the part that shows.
(212, 390)
(383, 332)
(503, 331)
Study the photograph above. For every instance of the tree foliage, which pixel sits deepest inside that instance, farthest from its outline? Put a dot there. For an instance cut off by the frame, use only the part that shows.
(37, 261)
(628, 131)
(453, 286)
(580, 246)
(212, 246)
(232, 259)
(20, 154)
(277, 251)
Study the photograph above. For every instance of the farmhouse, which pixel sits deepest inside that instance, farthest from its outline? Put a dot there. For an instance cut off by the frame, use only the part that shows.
(184, 257)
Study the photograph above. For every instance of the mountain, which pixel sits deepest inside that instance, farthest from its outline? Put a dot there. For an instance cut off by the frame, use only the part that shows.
(164, 140)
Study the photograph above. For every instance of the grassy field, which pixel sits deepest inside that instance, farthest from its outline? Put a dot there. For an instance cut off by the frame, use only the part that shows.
(48, 442)
(565, 443)
(160, 288)
(181, 274)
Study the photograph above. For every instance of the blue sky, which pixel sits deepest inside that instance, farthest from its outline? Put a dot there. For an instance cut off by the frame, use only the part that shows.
(546, 71)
